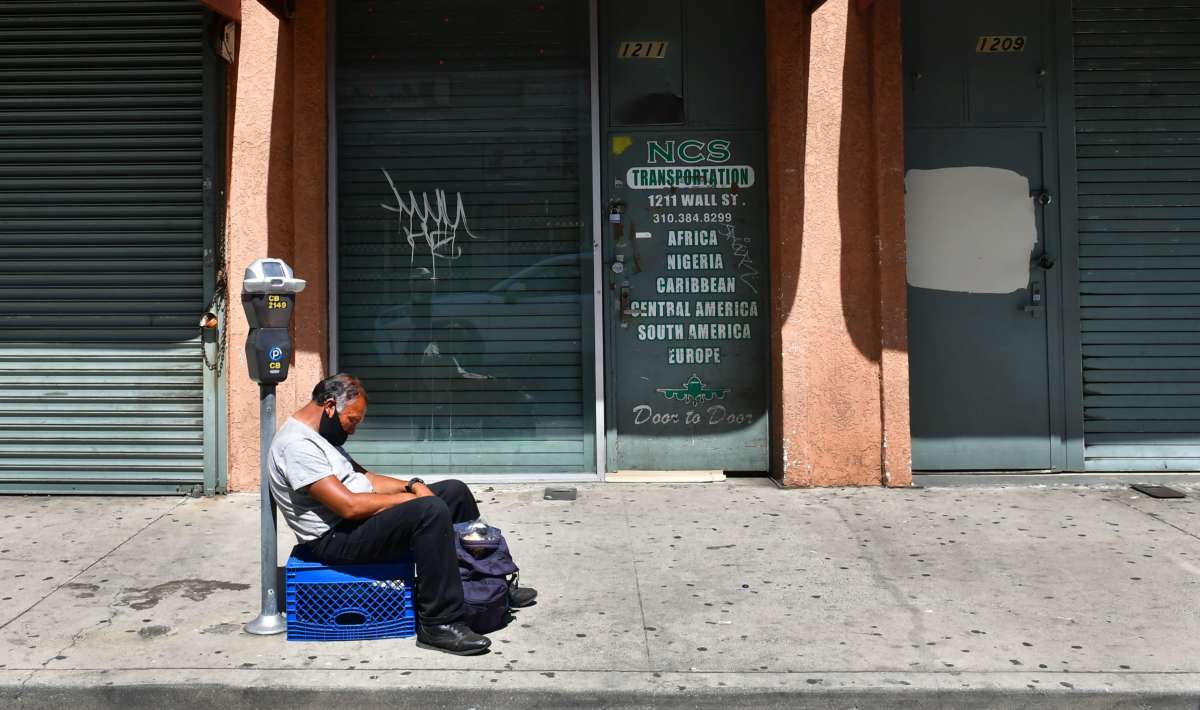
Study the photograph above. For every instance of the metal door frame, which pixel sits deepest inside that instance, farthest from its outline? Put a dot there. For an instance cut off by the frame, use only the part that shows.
(1064, 394)
(599, 355)
(216, 445)
(609, 428)
(1072, 341)
(1056, 321)
(331, 240)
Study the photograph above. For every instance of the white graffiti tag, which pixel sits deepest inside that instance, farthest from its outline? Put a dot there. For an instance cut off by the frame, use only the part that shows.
(431, 224)
(747, 271)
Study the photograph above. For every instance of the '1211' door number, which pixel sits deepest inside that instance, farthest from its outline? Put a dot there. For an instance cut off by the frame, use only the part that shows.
(642, 50)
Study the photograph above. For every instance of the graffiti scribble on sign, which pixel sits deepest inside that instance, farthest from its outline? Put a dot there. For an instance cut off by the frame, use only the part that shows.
(693, 392)
(747, 271)
(431, 224)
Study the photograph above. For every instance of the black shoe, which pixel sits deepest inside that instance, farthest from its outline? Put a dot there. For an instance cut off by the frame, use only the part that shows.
(454, 638)
(521, 596)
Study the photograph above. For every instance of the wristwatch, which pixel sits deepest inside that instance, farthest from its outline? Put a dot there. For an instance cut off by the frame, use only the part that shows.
(408, 487)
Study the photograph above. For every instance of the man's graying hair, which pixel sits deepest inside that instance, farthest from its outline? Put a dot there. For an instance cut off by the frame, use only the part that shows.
(341, 388)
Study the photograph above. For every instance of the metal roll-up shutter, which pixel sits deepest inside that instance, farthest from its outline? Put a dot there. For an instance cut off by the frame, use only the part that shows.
(1137, 104)
(467, 314)
(101, 246)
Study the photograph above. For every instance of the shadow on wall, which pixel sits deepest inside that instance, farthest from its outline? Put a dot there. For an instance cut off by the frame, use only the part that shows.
(858, 190)
(295, 187)
(280, 227)
(858, 199)
(230, 99)
(789, 32)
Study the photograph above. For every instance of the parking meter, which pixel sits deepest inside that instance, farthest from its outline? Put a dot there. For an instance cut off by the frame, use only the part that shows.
(268, 298)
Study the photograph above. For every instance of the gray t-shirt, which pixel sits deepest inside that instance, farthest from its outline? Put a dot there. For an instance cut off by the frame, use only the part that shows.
(299, 457)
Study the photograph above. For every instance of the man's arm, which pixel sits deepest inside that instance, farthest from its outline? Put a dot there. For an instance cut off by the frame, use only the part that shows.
(307, 468)
(330, 493)
(387, 484)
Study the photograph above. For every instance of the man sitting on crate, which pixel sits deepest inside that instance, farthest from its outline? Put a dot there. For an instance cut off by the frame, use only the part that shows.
(348, 515)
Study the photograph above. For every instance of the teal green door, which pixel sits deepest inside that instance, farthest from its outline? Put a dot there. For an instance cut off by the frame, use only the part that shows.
(685, 235)
(980, 181)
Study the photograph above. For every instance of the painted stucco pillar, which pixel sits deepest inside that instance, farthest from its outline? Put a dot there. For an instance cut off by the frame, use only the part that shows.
(836, 137)
(310, 252)
(248, 220)
(276, 204)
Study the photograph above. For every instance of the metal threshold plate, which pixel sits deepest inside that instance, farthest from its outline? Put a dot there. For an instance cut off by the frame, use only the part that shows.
(559, 493)
(1157, 491)
(629, 476)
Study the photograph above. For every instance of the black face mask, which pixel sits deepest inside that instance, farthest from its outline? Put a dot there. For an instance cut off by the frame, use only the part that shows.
(331, 429)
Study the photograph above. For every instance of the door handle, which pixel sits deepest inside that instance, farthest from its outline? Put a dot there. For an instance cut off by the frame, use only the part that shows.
(1044, 261)
(1035, 306)
(626, 306)
(616, 219)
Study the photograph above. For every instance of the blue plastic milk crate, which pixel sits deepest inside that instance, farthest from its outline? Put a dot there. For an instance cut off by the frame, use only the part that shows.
(348, 602)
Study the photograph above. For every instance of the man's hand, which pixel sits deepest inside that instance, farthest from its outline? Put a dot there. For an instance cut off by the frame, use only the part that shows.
(387, 484)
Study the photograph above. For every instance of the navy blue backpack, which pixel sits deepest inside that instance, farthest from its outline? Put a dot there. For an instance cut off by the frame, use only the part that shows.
(486, 569)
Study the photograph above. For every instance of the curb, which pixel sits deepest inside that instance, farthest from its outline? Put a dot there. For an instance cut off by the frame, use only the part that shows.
(632, 690)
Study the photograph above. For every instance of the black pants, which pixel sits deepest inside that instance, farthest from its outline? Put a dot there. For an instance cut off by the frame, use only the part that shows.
(422, 526)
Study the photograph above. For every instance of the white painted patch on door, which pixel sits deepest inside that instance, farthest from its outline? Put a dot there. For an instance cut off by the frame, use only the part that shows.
(970, 230)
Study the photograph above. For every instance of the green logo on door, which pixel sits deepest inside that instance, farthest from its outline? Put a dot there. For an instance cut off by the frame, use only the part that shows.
(693, 392)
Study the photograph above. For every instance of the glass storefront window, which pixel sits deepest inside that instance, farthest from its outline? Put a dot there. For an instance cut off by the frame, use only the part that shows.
(464, 267)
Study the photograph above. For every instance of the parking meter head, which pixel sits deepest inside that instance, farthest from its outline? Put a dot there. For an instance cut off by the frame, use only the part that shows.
(268, 298)
(269, 293)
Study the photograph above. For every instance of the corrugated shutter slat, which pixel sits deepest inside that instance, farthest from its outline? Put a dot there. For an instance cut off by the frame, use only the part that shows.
(101, 241)
(483, 369)
(1137, 99)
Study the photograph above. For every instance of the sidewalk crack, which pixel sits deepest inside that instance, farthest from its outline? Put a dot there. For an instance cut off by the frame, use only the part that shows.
(98, 560)
(1156, 517)
(917, 632)
(78, 635)
(637, 587)
(21, 688)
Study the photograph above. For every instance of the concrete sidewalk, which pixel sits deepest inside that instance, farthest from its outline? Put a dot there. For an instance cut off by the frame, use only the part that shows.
(720, 595)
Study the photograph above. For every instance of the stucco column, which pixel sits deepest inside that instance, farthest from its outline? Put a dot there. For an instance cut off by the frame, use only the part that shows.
(248, 220)
(840, 376)
(276, 204)
(309, 253)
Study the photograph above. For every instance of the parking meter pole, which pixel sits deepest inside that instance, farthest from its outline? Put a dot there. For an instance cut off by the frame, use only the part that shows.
(268, 297)
(270, 620)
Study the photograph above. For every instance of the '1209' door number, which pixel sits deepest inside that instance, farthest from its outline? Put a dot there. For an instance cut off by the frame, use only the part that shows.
(1000, 43)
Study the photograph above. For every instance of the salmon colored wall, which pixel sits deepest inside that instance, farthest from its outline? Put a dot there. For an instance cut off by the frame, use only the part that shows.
(835, 130)
(276, 204)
